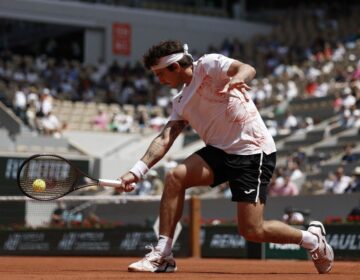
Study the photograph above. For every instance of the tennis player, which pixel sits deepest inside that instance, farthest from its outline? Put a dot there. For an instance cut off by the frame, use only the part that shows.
(239, 149)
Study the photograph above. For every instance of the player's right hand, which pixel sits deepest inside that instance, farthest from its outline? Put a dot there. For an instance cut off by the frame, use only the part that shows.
(128, 181)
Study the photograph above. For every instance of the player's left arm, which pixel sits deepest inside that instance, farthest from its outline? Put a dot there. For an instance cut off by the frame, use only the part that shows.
(241, 74)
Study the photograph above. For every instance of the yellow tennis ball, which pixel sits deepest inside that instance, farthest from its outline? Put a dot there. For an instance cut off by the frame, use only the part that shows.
(39, 185)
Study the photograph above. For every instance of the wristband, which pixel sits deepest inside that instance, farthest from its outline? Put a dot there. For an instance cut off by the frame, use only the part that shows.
(139, 169)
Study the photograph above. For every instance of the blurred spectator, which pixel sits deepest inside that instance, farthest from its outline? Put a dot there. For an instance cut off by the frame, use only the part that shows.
(294, 217)
(157, 122)
(156, 183)
(349, 156)
(144, 187)
(296, 175)
(121, 123)
(337, 183)
(283, 186)
(142, 119)
(19, 104)
(354, 185)
(57, 216)
(51, 125)
(46, 101)
(92, 221)
(290, 122)
(100, 120)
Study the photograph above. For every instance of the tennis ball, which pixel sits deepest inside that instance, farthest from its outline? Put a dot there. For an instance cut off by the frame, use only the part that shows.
(39, 185)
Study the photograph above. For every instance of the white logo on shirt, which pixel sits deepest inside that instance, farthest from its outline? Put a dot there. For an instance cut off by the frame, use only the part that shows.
(249, 191)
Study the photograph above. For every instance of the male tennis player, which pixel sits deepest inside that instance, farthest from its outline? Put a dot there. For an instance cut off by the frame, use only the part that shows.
(239, 149)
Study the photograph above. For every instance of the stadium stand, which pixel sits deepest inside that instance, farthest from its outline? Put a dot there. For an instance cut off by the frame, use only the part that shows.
(307, 89)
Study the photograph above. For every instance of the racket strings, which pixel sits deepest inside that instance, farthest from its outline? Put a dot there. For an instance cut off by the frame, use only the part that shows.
(58, 175)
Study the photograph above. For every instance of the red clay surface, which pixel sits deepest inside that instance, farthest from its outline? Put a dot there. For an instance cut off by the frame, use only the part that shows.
(99, 268)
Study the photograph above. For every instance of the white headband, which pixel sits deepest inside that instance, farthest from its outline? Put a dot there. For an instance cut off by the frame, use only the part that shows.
(165, 61)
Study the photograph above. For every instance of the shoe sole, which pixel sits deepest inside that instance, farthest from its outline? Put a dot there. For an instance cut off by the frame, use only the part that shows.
(132, 269)
(332, 257)
(323, 232)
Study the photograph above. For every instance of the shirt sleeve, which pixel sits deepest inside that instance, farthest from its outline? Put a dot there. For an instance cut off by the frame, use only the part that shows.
(217, 65)
(174, 115)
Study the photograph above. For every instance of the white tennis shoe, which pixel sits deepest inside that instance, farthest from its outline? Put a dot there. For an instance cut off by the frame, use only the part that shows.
(323, 255)
(154, 262)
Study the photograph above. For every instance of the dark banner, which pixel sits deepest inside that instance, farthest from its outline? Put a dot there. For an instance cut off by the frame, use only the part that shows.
(126, 241)
(345, 240)
(8, 171)
(225, 242)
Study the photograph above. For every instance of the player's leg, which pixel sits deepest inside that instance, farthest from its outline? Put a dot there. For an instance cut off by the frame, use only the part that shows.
(193, 171)
(254, 228)
(250, 191)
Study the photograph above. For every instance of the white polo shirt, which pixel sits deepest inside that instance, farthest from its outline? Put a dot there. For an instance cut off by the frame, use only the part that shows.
(227, 121)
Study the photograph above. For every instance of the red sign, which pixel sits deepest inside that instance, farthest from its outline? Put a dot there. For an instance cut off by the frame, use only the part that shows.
(121, 38)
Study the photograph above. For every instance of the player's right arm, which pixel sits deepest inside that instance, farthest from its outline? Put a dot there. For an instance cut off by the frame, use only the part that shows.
(163, 142)
(157, 150)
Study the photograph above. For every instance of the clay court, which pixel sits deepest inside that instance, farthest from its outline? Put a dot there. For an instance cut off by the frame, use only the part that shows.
(74, 268)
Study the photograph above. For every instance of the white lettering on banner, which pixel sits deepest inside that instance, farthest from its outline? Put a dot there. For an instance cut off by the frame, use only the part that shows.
(227, 241)
(12, 166)
(26, 241)
(344, 241)
(136, 240)
(49, 169)
(12, 242)
(89, 241)
(67, 241)
(131, 241)
(284, 246)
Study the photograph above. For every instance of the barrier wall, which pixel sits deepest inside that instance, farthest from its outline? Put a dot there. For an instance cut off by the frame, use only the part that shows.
(216, 242)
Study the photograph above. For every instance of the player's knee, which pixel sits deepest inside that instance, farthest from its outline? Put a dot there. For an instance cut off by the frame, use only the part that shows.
(174, 180)
(252, 233)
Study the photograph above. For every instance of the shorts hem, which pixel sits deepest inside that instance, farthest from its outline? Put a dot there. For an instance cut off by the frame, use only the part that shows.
(244, 199)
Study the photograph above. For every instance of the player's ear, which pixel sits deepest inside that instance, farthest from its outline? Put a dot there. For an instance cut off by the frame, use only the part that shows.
(176, 67)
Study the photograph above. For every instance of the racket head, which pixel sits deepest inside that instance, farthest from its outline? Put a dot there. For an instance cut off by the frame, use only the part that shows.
(57, 173)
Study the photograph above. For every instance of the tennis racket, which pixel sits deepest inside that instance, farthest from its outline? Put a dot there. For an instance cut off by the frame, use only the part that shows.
(48, 177)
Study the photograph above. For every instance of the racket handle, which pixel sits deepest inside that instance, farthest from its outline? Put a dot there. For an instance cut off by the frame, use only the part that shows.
(109, 183)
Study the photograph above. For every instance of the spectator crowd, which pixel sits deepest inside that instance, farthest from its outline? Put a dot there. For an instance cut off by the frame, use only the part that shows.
(328, 65)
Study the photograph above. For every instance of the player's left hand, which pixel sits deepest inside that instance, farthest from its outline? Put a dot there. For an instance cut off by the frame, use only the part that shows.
(239, 85)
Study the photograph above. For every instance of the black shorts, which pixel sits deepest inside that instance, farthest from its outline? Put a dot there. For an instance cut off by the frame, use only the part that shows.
(248, 175)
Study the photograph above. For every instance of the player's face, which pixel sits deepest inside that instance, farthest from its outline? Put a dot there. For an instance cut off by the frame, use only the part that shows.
(167, 77)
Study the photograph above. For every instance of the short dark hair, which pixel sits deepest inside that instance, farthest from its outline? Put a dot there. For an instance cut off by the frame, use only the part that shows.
(164, 48)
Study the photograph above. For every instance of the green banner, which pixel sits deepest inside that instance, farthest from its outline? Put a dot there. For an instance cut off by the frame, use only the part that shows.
(285, 251)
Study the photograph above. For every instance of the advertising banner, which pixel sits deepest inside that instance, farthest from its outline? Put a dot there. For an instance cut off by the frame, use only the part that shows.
(9, 166)
(121, 39)
(225, 242)
(126, 241)
(285, 251)
(345, 240)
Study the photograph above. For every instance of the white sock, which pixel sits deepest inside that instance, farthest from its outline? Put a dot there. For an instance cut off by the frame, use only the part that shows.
(164, 245)
(309, 241)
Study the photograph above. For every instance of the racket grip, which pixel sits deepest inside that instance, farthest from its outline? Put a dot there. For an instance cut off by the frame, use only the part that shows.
(109, 183)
